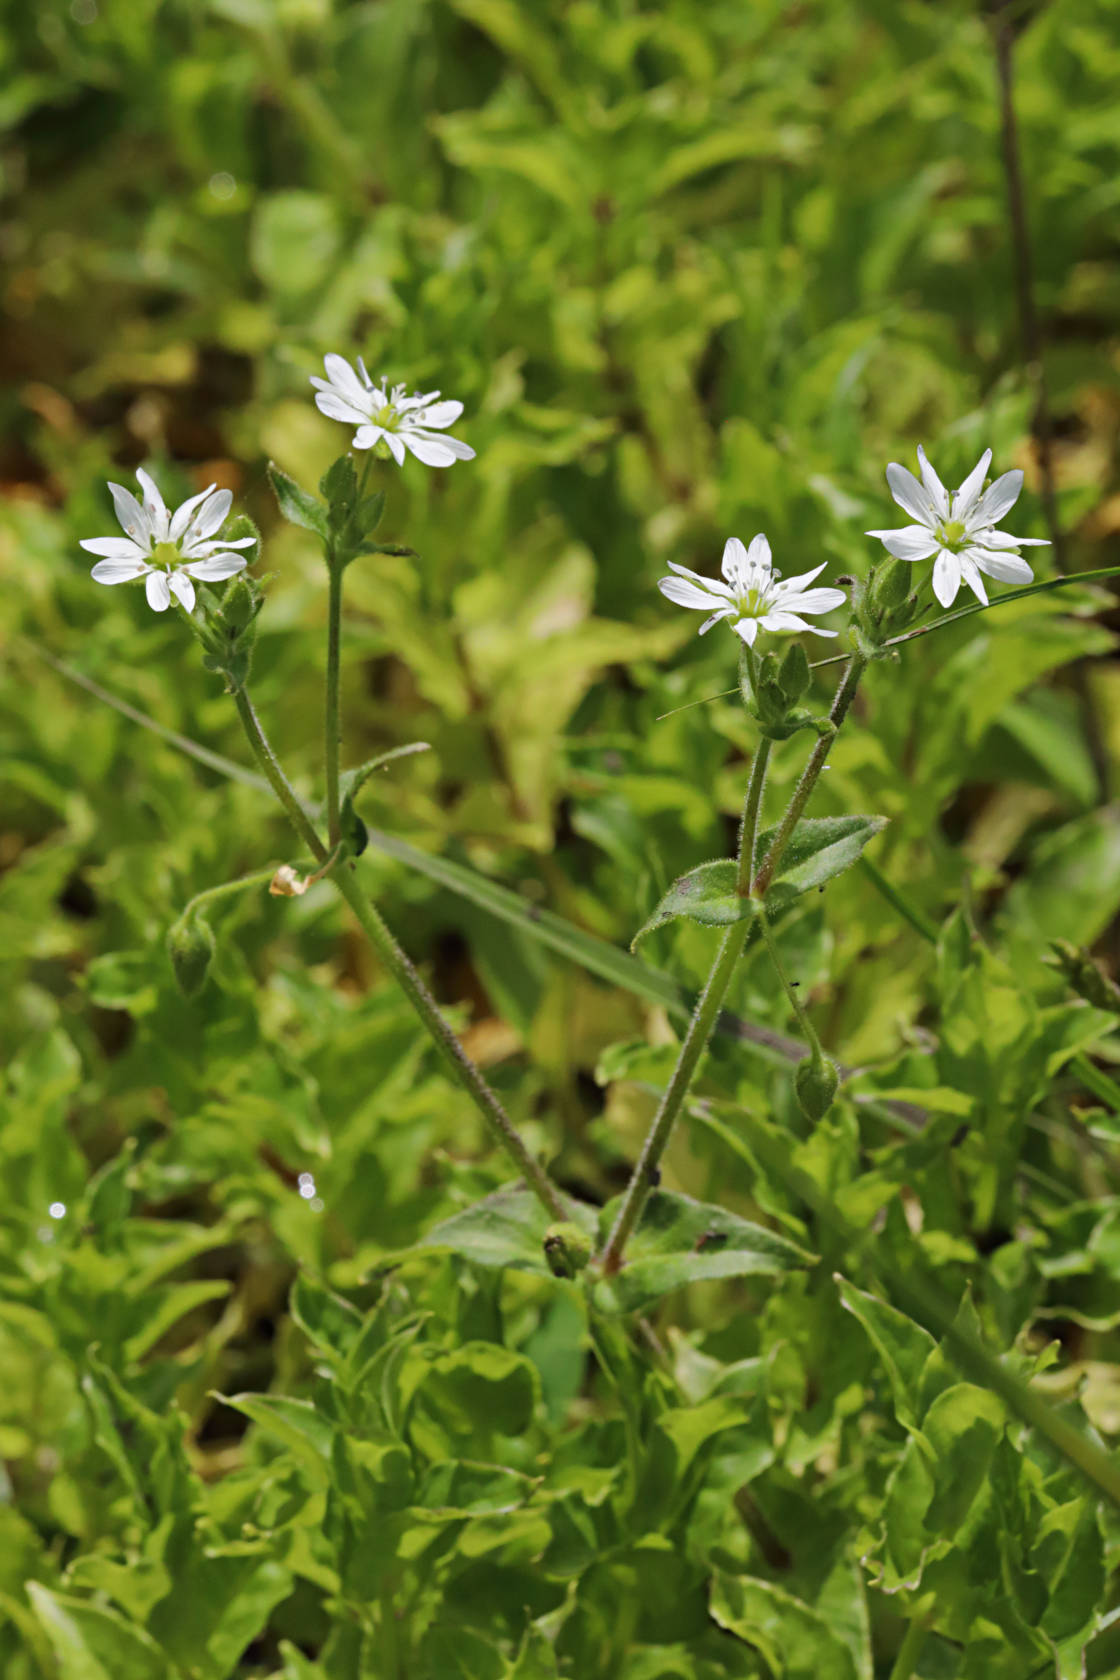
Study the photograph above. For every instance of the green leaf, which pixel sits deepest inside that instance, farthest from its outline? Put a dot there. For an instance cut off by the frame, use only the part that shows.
(299, 506)
(507, 1228)
(679, 1241)
(295, 1423)
(351, 782)
(818, 849)
(903, 1346)
(707, 894)
(90, 1643)
(794, 1640)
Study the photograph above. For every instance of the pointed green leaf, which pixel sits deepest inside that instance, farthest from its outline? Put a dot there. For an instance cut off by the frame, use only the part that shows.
(507, 1228)
(819, 848)
(298, 505)
(679, 1241)
(90, 1643)
(707, 894)
(903, 1346)
(796, 1641)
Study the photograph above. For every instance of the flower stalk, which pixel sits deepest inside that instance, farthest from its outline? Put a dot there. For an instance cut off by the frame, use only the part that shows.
(700, 1029)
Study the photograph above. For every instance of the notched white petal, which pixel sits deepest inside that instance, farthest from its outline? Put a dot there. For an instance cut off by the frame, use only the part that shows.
(997, 499)
(180, 584)
(969, 491)
(118, 571)
(910, 495)
(687, 594)
(159, 595)
(946, 577)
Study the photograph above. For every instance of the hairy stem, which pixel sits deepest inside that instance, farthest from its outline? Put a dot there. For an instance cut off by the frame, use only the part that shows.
(229, 889)
(425, 1005)
(857, 664)
(402, 971)
(279, 783)
(699, 1030)
(333, 706)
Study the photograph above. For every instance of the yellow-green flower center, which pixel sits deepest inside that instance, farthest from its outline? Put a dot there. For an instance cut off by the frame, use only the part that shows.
(166, 554)
(386, 418)
(951, 534)
(750, 604)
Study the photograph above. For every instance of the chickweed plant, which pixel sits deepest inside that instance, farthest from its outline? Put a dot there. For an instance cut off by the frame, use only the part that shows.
(694, 1516)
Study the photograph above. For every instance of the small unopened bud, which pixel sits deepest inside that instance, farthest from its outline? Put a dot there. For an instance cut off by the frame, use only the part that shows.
(794, 674)
(890, 586)
(190, 945)
(816, 1083)
(567, 1249)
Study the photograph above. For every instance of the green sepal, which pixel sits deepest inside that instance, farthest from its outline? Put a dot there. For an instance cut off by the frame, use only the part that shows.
(818, 849)
(227, 629)
(299, 506)
(794, 674)
(353, 834)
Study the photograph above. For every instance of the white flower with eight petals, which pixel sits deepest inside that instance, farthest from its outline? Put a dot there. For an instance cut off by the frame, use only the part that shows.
(755, 597)
(958, 529)
(167, 549)
(390, 417)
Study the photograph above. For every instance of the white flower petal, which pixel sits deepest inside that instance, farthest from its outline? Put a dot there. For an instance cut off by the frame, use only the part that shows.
(1004, 539)
(734, 563)
(973, 579)
(461, 451)
(180, 584)
(365, 437)
(114, 548)
(340, 408)
(969, 491)
(713, 584)
(344, 379)
(433, 452)
(442, 414)
(946, 577)
(118, 571)
(181, 518)
(216, 567)
(912, 542)
(134, 521)
(159, 595)
(211, 516)
(996, 500)
(688, 595)
(910, 495)
(786, 584)
(1006, 567)
(810, 600)
(758, 554)
(935, 490)
(747, 628)
(780, 619)
(396, 449)
(154, 505)
(723, 612)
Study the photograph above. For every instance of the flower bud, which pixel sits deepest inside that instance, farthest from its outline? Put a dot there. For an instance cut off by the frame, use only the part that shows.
(815, 1083)
(567, 1249)
(890, 585)
(190, 945)
(794, 674)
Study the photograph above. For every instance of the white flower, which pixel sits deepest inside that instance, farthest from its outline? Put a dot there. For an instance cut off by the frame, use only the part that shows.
(959, 529)
(167, 549)
(755, 596)
(402, 422)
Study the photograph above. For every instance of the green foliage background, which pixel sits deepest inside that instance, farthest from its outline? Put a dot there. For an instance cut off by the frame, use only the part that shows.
(694, 269)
